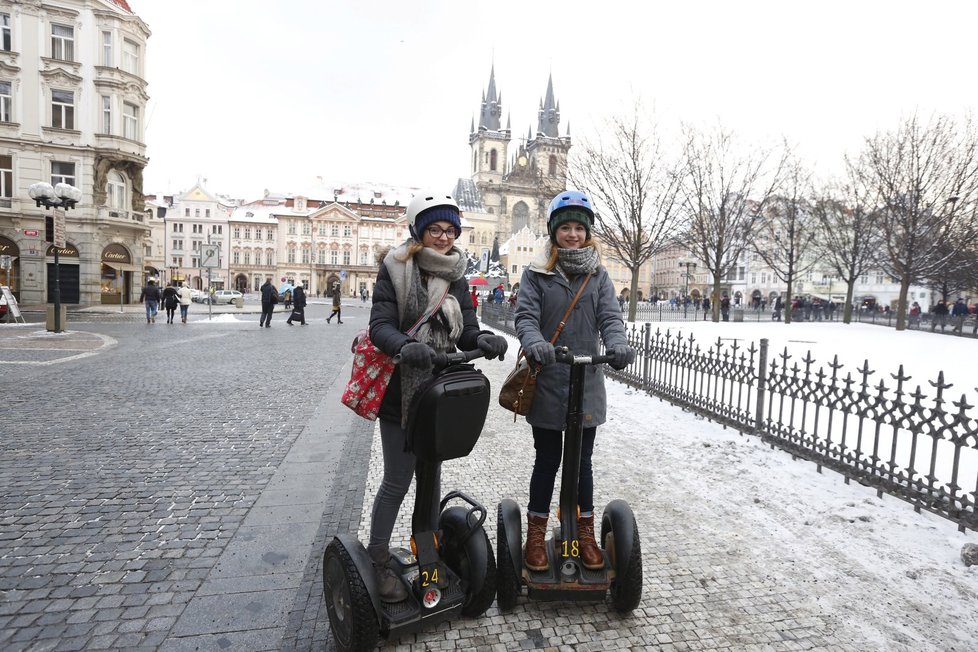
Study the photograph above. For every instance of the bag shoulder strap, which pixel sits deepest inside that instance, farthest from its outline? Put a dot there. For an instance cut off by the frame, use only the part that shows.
(425, 317)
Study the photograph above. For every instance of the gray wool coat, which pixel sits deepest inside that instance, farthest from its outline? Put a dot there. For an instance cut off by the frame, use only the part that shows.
(543, 298)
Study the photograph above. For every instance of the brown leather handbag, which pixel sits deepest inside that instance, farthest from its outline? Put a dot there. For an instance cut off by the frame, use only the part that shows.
(520, 385)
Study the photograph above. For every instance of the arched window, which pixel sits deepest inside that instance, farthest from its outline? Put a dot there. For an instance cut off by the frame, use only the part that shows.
(552, 168)
(116, 190)
(521, 215)
(492, 160)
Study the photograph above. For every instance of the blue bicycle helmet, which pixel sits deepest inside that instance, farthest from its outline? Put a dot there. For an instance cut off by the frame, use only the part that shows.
(570, 206)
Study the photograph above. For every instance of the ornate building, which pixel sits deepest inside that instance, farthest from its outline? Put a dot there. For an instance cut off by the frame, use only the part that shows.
(514, 185)
(72, 109)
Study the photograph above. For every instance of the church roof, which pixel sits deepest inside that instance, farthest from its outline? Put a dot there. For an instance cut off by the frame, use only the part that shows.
(467, 195)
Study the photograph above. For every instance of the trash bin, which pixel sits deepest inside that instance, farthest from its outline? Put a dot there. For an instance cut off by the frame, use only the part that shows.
(738, 314)
(239, 302)
(64, 317)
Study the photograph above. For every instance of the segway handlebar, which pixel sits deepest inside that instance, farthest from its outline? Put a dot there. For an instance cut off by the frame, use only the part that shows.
(441, 360)
(563, 354)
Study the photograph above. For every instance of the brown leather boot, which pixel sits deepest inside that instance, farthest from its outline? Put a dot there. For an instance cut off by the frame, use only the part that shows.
(591, 555)
(535, 553)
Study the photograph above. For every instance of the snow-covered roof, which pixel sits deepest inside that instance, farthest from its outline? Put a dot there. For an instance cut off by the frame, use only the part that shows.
(467, 195)
(254, 214)
(384, 194)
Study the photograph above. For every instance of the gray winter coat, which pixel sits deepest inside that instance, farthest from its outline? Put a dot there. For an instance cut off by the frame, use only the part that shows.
(542, 300)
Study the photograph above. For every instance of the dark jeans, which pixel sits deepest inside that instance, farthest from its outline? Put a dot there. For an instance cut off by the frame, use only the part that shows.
(267, 308)
(549, 445)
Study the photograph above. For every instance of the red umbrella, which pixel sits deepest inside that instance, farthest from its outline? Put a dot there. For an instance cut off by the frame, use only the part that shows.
(478, 281)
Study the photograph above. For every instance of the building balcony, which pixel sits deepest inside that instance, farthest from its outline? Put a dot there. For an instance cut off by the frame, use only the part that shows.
(106, 214)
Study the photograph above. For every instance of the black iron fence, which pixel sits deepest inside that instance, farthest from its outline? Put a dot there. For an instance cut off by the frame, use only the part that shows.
(883, 432)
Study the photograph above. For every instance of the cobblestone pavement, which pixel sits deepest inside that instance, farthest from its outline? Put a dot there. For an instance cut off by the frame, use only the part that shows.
(174, 490)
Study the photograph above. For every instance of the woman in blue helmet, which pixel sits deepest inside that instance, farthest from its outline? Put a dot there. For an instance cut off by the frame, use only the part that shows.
(547, 288)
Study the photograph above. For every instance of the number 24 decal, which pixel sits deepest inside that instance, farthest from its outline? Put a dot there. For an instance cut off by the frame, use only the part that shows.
(429, 578)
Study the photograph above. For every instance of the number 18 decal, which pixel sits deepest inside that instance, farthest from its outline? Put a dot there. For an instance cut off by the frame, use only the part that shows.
(570, 549)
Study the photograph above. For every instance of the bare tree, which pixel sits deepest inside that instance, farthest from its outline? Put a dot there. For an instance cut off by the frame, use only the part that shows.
(634, 189)
(926, 180)
(724, 193)
(786, 230)
(848, 240)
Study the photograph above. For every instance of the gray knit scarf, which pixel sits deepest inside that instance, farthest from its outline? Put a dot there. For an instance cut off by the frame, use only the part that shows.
(419, 284)
(576, 262)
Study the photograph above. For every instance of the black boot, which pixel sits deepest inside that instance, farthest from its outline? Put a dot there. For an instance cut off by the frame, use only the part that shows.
(389, 585)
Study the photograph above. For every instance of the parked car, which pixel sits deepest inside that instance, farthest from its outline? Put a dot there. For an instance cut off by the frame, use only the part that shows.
(225, 296)
(197, 296)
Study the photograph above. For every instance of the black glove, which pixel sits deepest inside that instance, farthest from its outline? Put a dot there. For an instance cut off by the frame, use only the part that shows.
(416, 354)
(624, 355)
(541, 352)
(493, 346)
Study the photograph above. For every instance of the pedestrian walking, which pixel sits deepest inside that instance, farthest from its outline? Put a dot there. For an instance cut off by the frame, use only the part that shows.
(288, 299)
(706, 308)
(299, 307)
(170, 302)
(914, 315)
(778, 307)
(422, 279)
(269, 297)
(475, 300)
(337, 307)
(150, 297)
(725, 307)
(939, 313)
(186, 297)
(567, 265)
(958, 313)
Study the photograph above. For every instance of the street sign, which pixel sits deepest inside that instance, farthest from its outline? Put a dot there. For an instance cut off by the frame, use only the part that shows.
(484, 262)
(59, 228)
(343, 274)
(31, 232)
(210, 255)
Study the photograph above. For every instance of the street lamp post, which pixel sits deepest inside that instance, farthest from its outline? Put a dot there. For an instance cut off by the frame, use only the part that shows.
(61, 198)
(686, 264)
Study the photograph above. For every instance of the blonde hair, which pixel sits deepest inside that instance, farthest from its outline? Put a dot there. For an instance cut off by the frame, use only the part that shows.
(552, 260)
(413, 247)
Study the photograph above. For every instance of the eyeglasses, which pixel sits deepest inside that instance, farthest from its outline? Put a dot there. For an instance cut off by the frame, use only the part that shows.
(437, 232)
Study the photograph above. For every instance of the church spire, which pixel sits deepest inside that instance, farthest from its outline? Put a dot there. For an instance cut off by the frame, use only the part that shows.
(491, 104)
(549, 113)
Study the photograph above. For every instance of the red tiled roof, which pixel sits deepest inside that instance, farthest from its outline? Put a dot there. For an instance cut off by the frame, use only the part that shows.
(124, 5)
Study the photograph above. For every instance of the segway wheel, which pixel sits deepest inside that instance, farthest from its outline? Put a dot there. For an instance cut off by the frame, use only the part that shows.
(507, 578)
(619, 537)
(351, 613)
(472, 560)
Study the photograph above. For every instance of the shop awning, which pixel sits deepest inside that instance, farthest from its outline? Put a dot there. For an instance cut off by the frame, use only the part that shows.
(123, 267)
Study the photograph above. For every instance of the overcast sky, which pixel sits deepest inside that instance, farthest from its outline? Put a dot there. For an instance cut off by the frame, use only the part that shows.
(253, 95)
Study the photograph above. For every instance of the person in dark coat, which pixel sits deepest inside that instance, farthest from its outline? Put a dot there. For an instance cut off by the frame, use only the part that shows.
(170, 302)
(150, 296)
(423, 275)
(298, 306)
(269, 297)
(547, 288)
(940, 316)
(725, 307)
(959, 311)
(778, 307)
(337, 307)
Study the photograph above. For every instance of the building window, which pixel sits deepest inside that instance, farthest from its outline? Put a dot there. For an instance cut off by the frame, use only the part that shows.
(235, 257)
(322, 230)
(116, 190)
(347, 231)
(363, 257)
(106, 114)
(492, 160)
(257, 234)
(269, 258)
(6, 176)
(196, 212)
(269, 233)
(62, 109)
(247, 233)
(291, 228)
(107, 49)
(237, 232)
(186, 212)
(471, 237)
(130, 56)
(207, 212)
(130, 121)
(6, 102)
(334, 230)
(305, 256)
(291, 255)
(322, 256)
(346, 257)
(5, 41)
(62, 43)
(552, 166)
(175, 227)
(332, 258)
(247, 258)
(305, 228)
(62, 172)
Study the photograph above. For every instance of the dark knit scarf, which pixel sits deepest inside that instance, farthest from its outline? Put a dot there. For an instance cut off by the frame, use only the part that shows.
(419, 284)
(576, 262)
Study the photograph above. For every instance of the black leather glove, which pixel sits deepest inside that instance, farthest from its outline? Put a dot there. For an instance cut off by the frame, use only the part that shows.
(493, 346)
(416, 354)
(624, 356)
(542, 353)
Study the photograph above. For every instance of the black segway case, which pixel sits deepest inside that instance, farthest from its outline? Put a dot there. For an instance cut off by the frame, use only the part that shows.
(448, 413)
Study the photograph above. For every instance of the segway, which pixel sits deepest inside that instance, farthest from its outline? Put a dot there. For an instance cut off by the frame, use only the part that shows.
(566, 578)
(450, 569)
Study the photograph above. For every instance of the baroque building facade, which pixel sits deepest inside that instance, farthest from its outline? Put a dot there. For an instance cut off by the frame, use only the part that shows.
(72, 109)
